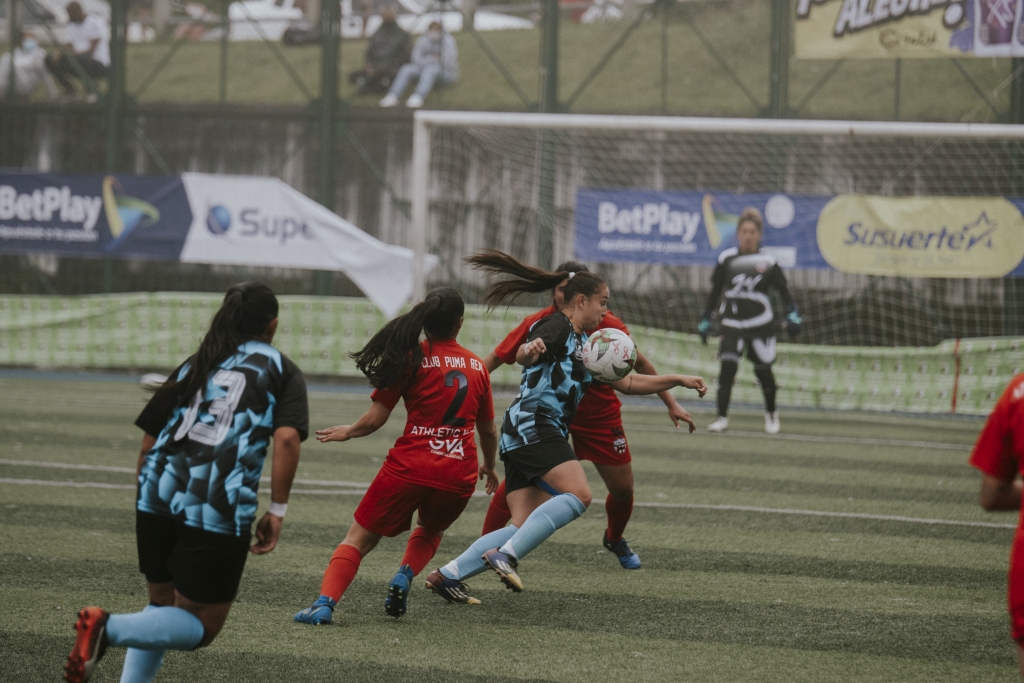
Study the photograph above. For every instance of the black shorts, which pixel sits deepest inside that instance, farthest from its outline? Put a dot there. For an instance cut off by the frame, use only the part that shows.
(527, 463)
(760, 350)
(204, 566)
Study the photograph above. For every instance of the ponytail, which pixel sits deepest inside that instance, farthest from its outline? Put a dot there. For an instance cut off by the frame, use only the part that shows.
(527, 279)
(394, 353)
(247, 310)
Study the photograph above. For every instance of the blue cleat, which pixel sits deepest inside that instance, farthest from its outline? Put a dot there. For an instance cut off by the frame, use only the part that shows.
(395, 604)
(505, 566)
(321, 612)
(627, 558)
(452, 590)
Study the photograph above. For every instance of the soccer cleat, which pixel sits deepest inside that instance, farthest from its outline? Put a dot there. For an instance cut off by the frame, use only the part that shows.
(320, 612)
(452, 590)
(395, 604)
(771, 423)
(627, 558)
(389, 101)
(90, 645)
(505, 566)
(719, 425)
(414, 101)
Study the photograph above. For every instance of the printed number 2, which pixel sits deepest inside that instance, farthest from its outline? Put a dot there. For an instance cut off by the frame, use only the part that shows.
(450, 379)
(222, 409)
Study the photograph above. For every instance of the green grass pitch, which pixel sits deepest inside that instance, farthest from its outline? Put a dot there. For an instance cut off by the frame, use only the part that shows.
(724, 594)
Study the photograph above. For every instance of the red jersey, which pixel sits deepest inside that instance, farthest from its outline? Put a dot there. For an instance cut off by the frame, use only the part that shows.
(450, 393)
(1000, 446)
(600, 404)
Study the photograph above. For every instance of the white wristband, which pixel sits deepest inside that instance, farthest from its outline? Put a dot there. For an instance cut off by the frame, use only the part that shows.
(277, 509)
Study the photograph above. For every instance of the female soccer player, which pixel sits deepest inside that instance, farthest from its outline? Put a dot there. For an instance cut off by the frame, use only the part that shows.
(746, 316)
(206, 435)
(998, 456)
(432, 469)
(546, 487)
(597, 432)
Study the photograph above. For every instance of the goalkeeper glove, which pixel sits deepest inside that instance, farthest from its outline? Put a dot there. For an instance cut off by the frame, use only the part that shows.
(703, 328)
(793, 322)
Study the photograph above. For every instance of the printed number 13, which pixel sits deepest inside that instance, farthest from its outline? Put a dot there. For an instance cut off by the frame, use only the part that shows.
(222, 410)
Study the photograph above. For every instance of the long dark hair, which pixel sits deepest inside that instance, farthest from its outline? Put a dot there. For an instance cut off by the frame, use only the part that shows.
(394, 353)
(527, 279)
(247, 309)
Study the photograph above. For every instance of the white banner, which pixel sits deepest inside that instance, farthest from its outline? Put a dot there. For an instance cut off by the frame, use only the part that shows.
(255, 221)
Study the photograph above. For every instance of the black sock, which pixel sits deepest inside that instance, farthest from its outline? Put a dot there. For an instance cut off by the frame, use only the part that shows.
(767, 379)
(725, 378)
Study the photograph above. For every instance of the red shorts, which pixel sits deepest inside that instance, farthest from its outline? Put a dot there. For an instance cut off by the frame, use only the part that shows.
(604, 444)
(389, 503)
(1016, 586)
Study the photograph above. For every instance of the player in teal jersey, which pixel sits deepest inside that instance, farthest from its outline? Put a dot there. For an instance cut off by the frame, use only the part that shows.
(207, 431)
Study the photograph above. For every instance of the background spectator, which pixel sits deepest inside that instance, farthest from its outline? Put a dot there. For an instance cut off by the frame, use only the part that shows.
(88, 48)
(29, 63)
(434, 59)
(390, 47)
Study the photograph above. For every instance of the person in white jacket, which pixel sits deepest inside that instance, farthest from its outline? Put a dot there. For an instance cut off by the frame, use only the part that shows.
(29, 63)
(435, 59)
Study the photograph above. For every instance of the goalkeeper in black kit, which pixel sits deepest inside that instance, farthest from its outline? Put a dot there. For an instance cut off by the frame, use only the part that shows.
(743, 279)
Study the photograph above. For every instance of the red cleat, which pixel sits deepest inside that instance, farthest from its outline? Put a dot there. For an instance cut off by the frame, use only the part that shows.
(90, 645)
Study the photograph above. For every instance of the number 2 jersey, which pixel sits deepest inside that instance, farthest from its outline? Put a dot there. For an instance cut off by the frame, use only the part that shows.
(744, 282)
(449, 394)
(205, 466)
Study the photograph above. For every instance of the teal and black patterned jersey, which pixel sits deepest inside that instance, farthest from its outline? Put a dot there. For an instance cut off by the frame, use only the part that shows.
(550, 389)
(205, 466)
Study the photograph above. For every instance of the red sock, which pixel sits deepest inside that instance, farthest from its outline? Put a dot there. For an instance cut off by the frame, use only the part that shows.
(340, 572)
(619, 512)
(420, 549)
(498, 514)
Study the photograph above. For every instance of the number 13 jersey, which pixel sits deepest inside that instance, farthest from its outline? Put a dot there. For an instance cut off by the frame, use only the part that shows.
(449, 394)
(205, 466)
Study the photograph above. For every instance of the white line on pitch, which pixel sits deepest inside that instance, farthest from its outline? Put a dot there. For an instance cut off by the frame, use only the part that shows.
(683, 506)
(66, 466)
(857, 440)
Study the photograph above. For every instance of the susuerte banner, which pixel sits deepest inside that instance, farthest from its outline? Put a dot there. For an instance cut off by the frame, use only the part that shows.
(197, 218)
(939, 237)
(872, 29)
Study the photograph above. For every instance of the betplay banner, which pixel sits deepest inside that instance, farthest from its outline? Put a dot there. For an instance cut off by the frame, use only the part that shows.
(197, 218)
(942, 237)
(872, 29)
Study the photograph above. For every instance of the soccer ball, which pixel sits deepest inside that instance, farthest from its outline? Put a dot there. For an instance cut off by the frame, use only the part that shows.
(609, 355)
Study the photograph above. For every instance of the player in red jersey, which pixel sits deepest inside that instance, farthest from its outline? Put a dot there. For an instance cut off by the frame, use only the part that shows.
(597, 432)
(999, 455)
(432, 468)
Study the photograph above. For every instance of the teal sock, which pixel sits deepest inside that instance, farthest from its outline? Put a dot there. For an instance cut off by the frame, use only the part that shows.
(156, 628)
(141, 666)
(542, 523)
(470, 563)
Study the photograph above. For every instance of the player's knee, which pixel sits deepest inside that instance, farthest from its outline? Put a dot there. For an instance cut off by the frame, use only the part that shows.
(585, 497)
(621, 494)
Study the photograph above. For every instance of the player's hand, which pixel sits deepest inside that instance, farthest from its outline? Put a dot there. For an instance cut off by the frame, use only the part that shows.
(679, 414)
(339, 433)
(488, 474)
(535, 348)
(793, 323)
(703, 328)
(694, 382)
(268, 530)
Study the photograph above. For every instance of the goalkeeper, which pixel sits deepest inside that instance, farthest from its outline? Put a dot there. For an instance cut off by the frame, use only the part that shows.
(743, 279)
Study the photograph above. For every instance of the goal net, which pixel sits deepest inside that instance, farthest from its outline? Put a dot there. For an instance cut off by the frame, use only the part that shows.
(516, 182)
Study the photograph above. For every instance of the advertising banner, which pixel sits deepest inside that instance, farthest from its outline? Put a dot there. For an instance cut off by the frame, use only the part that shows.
(873, 29)
(940, 237)
(197, 218)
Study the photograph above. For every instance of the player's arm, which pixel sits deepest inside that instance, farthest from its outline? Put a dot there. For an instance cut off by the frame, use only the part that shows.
(147, 443)
(488, 432)
(999, 494)
(676, 412)
(793, 319)
(652, 384)
(492, 362)
(287, 444)
(372, 420)
(717, 285)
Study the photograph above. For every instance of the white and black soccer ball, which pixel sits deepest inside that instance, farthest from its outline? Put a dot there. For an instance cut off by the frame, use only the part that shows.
(609, 355)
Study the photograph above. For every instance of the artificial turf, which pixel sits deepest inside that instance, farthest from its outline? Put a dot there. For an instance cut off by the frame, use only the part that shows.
(726, 594)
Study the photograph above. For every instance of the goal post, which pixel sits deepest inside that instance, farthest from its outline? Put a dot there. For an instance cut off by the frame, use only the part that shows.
(477, 180)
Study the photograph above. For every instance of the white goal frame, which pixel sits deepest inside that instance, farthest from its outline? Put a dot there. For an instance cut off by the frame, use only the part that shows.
(425, 121)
